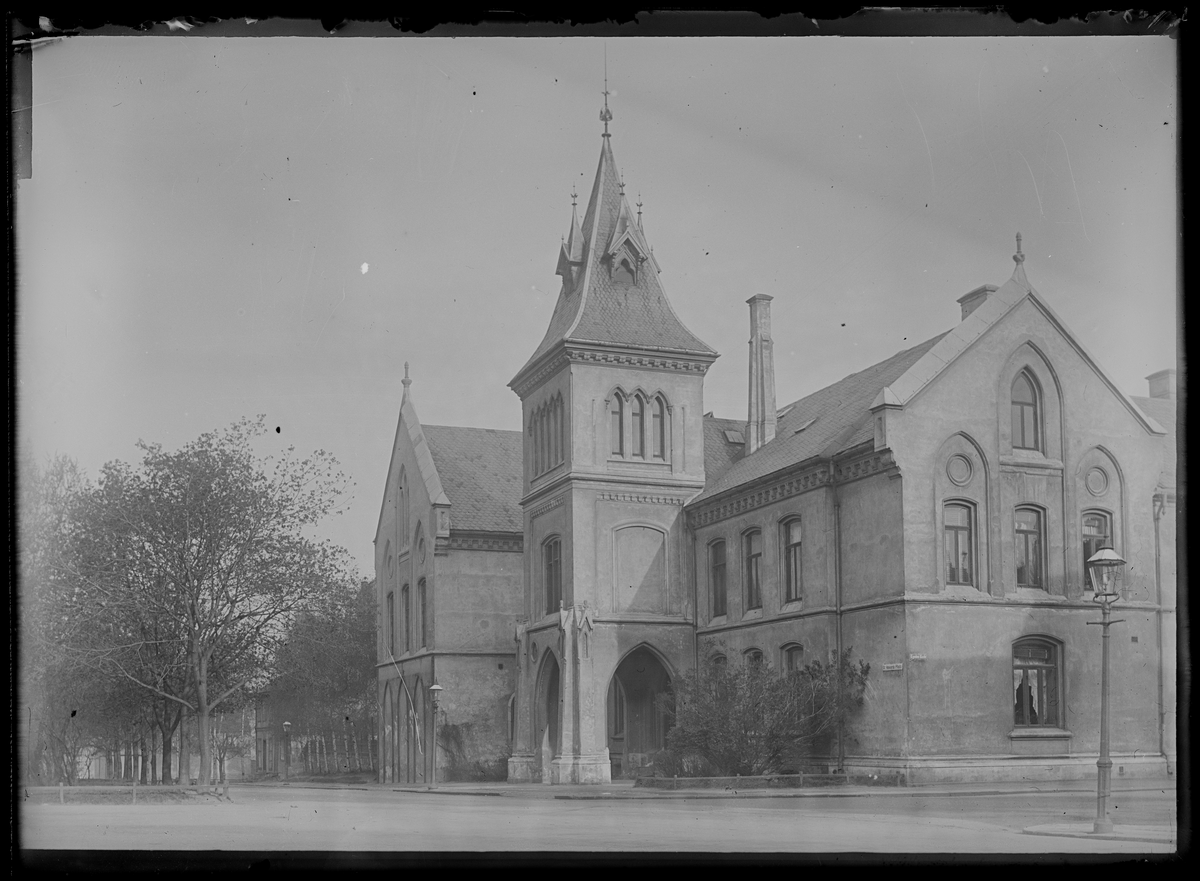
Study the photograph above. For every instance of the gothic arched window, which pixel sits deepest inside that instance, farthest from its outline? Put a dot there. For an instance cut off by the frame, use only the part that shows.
(639, 427)
(659, 429)
(1025, 415)
(617, 425)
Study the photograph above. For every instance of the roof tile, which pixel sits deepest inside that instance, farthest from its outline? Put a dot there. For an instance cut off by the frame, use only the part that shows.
(481, 472)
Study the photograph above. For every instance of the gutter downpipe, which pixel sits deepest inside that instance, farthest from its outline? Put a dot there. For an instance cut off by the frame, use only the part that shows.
(837, 587)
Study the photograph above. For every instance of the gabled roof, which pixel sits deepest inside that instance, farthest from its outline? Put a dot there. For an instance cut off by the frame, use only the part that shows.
(591, 307)
(959, 339)
(481, 472)
(829, 421)
(408, 423)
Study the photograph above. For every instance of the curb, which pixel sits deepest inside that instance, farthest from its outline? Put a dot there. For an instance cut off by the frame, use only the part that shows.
(1151, 834)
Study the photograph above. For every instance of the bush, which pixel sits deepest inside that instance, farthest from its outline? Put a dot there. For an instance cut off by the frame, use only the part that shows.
(747, 719)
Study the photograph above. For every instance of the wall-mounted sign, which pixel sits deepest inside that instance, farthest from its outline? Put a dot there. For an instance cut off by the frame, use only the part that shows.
(892, 668)
(915, 657)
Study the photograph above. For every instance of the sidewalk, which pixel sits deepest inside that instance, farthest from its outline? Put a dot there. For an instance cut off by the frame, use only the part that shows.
(1119, 833)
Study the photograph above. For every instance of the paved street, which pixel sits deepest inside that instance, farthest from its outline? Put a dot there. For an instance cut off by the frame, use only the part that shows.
(262, 818)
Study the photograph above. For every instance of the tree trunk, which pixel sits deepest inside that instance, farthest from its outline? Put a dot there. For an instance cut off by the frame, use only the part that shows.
(144, 770)
(202, 714)
(154, 778)
(354, 739)
(184, 773)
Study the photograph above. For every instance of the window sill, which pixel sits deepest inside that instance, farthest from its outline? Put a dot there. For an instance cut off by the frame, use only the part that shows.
(1029, 459)
(1033, 593)
(752, 614)
(1034, 733)
(792, 605)
(960, 590)
(716, 620)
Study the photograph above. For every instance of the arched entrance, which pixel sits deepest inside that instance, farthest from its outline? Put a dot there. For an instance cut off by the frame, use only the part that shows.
(637, 725)
(549, 709)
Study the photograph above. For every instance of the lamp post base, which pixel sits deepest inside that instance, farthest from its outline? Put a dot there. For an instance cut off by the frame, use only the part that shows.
(1102, 826)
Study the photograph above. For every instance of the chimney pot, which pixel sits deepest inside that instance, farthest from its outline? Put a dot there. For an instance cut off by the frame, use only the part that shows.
(1163, 384)
(760, 423)
(972, 300)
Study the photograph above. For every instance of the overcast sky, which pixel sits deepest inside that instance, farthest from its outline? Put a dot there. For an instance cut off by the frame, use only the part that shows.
(217, 228)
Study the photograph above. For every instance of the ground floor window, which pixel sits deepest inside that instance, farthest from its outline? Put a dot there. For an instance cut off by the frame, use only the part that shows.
(1036, 684)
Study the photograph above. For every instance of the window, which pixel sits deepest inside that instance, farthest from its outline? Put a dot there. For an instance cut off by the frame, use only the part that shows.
(659, 429)
(718, 662)
(791, 561)
(623, 273)
(957, 527)
(754, 657)
(422, 615)
(639, 423)
(616, 709)
(1029, 548)
(1035, 684)
(389, 626)
(555, 433)
(752, 542)
(405, 611)
(1097, 534)
(793, 658)
(552, 577)
(716, 576)
(617, 420)
(1024, 414)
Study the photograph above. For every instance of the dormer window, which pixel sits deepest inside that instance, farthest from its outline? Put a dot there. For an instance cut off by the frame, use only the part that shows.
(623, 272)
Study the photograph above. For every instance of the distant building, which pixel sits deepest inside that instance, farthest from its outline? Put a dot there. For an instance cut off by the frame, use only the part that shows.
(932, 511)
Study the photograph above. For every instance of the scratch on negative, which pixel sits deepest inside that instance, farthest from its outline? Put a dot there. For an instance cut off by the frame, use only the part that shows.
(1082, 222)
(1032, 178)
(331, 311)
(928, 152)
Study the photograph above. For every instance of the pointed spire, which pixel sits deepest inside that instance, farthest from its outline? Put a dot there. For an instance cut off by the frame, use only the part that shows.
(639, 204)
(406, 382)
(606, 114)
(1019, 271)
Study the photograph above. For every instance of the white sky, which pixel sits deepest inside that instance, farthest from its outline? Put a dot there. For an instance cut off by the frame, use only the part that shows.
(190, 246)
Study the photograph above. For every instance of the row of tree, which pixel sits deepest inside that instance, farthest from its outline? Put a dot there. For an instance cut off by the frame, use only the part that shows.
(167, 591)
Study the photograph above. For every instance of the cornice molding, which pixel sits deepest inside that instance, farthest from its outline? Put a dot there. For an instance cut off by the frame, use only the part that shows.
(546, 506)
(600, 353)
(641, 499)
(784, 487)
(486, 541)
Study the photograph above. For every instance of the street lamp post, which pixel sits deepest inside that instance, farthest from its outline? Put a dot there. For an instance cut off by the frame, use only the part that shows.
(1104, 566)
(435, 691)
(287, 748)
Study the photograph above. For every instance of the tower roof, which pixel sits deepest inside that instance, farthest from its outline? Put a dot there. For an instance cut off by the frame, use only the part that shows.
(595, 306)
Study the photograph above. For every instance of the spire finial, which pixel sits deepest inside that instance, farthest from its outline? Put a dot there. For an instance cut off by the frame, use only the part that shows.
(406, 382)
(621, 182)
(605, 114)
(639, 204)
(574, 195)
(1019, 257)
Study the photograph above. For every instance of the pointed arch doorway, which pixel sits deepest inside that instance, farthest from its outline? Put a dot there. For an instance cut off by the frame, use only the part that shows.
(549, 709)
(637, 725)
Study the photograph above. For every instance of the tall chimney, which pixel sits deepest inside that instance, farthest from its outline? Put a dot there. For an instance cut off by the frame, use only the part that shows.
(1163, 384)
(760, 424)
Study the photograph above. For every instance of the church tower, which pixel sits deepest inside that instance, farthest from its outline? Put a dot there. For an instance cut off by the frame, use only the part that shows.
(612, 401)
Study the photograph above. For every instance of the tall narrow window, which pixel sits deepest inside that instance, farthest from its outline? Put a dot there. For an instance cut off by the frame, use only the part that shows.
(791, 561)
(1035, 684)
(957, 520)
(562, 432)
(389, 625)
(754, 657)
(405, 618)
(1024, 414)
(1029, 548)
(542, 437)
(617, 421)
(556, 429)
(660, 429)
(639, 424)
(423, 615)
(716, 576)
(752, 543)
(552, 574)
(1097, 534)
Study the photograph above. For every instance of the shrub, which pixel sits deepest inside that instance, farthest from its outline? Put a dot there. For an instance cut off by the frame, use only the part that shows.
(748, 719)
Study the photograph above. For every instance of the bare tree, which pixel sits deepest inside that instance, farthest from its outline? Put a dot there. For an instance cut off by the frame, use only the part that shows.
(189, 568)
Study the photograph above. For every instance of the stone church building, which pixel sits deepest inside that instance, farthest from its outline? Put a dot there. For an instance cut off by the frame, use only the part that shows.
(932, 512)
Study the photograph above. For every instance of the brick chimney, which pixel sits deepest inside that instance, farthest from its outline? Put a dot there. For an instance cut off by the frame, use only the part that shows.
(974, 299)
(1162, 384)
(760, 424)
